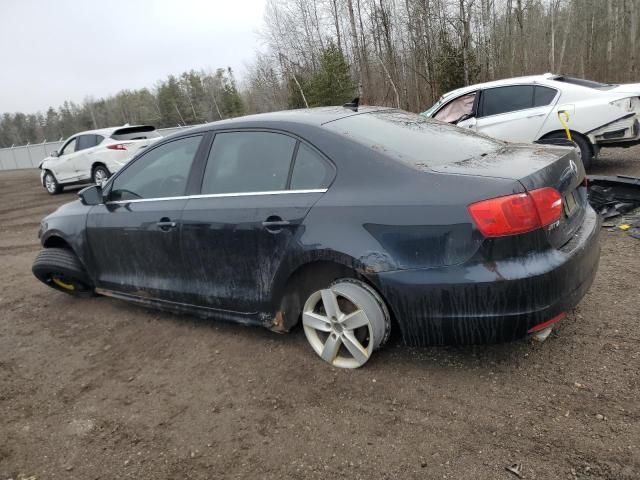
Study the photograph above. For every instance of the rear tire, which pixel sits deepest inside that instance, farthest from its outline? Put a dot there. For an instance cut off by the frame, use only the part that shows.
(60, 268)
(584, 146)
(50, 183)
(100, 175)
(346, 322)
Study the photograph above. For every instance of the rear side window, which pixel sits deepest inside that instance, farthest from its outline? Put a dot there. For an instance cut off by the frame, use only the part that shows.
(86, 141)
(310, 170)
(506, 99)
(158, 173)
(543, 96)
(414, 139)
(242, 162)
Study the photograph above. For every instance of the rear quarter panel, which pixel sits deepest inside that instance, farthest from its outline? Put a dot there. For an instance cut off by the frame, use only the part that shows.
(587, 111)
(384, 215)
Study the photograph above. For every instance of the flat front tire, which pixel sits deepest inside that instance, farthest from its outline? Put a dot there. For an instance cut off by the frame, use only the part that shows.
(60, 268)
(346, 322)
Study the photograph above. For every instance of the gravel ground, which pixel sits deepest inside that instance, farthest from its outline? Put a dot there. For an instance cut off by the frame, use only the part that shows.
(99, 388)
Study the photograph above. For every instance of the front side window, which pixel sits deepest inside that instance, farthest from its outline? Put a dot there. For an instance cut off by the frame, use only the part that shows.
(310, 170)
(242, 162)
(70, 147)
(506, 99)
(456, 109)
(159, 173)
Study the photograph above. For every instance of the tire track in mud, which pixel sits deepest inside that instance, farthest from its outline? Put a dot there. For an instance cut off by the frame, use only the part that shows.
(13, 249)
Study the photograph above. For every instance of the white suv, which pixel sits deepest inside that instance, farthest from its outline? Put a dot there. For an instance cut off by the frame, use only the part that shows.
(93, 156)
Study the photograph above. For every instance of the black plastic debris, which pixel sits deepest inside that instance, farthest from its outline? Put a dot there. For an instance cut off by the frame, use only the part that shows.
(612, 196)
(617, 199)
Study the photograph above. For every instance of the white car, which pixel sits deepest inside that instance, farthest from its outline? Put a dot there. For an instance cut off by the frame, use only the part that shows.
(93, 156)
(525, 109)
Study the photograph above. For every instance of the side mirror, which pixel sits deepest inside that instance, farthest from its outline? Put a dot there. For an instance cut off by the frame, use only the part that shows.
(54, 154)
(91, 195)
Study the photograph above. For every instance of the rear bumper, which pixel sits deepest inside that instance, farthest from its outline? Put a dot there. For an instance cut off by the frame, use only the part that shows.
(492, 302)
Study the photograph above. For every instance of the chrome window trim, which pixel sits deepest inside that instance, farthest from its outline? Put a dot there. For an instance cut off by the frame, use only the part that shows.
(217, 195)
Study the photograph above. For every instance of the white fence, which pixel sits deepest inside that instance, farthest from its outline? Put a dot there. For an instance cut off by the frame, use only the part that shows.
(29, 156)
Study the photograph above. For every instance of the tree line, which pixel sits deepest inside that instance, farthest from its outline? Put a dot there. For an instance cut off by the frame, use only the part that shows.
(188, 99)
(402, 53)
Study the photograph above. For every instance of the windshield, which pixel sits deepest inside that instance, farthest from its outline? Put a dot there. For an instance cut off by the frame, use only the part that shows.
(414, 139)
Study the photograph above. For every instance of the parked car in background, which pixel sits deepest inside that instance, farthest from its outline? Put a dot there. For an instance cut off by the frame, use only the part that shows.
(525, 109)
(94, 156)
(352, 223)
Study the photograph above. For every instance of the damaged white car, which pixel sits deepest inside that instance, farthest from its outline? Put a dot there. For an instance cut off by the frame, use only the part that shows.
(525, 109)
(93, 156)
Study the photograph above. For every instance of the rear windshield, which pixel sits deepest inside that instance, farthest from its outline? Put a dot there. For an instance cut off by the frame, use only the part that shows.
(141, 132)
(584, 83)
(414, 139)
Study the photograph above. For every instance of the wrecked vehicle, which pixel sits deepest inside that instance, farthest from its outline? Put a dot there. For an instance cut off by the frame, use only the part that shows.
(525, 109)
(352, 221)
(93, 156)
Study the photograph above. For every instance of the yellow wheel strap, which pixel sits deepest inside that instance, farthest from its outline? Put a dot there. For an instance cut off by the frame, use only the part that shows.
(563, 116)
(61, 284)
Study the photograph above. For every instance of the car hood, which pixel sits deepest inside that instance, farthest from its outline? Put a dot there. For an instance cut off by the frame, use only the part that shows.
(46, 159)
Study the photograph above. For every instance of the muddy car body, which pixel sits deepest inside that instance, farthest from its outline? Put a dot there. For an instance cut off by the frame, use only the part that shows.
(356, 222)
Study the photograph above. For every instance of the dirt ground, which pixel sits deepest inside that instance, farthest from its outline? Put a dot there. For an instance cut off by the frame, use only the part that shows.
(103, 389)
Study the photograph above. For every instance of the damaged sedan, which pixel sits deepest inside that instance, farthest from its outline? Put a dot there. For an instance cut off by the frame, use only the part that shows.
(546, 108)
(351, 221)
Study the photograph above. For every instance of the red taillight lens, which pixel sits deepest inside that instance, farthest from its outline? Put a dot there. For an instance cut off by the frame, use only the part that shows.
(519, 213)
(117, 146)
(548, 203)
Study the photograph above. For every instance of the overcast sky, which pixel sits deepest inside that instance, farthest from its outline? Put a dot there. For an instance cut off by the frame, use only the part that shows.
(57, 50)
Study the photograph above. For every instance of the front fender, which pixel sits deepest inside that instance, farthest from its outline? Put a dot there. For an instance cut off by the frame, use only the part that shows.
(68, 224)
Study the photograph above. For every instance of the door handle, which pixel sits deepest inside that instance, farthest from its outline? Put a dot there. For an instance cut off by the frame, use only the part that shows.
(275, 223)
(165, 224)
(536, 115)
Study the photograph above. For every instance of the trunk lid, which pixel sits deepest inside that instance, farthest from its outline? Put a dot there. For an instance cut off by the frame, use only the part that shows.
(535, 167)
(626, 88)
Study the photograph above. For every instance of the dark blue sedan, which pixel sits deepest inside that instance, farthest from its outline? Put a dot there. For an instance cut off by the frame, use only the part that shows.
(352, 221)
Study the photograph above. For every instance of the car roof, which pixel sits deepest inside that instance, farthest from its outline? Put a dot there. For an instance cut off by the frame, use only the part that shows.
(107, 132)
(505, 81)
(316, 116)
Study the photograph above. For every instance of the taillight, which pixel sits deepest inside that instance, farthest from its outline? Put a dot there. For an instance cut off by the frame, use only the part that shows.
(117, 146)
(518, 213)
(548, 203)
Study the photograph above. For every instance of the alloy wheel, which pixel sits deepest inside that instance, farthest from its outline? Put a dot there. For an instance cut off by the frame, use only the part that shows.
(345, 323)
(100, 177)
(49, 183)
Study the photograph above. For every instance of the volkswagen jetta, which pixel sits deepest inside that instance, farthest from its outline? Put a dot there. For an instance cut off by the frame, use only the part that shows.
(352, 221)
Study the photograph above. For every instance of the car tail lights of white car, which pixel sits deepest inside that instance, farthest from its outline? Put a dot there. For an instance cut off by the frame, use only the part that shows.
(518, 213)
(117, 146)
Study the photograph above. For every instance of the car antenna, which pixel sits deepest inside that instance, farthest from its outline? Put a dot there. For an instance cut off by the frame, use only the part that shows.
(353, 104)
